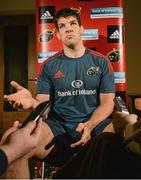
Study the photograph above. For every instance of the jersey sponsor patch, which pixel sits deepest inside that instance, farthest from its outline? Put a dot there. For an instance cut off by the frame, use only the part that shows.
(78, 92)
(92, 71)
(77, 83)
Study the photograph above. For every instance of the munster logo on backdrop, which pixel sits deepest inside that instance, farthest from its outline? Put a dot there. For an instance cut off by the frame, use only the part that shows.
(46, 35)
(46, 14)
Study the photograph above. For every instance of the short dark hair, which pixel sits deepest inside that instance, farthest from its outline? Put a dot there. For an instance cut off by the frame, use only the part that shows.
(65, 12)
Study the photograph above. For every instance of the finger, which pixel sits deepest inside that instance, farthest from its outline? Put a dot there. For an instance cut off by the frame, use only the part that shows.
(11, 102)
(131, 118)
(5, 97)
(78, 143)
(16, 124)
(29, 127)
(80, 127)
(15, 85)
(17, 104)
(7, 133)
(37, 130)
(81, 142)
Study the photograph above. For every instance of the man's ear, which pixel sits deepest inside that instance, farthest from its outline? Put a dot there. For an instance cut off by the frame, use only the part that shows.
(58, 35)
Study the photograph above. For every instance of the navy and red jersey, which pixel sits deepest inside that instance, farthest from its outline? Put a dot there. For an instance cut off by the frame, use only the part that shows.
(75, 84)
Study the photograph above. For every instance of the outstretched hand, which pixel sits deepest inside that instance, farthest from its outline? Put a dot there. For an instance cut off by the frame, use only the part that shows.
(21, 99)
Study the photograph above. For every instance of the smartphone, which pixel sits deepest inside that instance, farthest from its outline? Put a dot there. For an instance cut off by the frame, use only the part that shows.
(36, 113)
(120, 105)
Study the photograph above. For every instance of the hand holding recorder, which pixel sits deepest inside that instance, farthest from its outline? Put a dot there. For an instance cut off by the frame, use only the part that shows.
(123, 122)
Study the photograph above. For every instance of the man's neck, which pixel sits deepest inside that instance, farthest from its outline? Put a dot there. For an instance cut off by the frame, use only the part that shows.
(75, 52)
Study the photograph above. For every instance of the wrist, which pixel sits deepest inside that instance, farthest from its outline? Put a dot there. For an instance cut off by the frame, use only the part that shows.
(34, 103)
(9, 152)
(4, 160)
(90, 125)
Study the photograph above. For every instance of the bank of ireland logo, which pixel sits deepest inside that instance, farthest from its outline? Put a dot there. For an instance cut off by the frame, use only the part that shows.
(77, 83)
(93, 70)
(46, 35)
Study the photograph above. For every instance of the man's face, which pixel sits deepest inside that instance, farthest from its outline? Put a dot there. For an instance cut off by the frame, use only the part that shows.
(69, 31)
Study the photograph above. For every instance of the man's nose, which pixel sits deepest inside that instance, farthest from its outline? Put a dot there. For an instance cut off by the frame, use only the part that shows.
(68, 28)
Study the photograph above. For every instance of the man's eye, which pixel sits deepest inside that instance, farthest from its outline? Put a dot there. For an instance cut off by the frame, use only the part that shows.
(73, 23)
(61, 26)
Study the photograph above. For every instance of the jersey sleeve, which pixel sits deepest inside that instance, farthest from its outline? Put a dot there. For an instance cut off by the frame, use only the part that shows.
(107, 80)
(43, 82)
(3, 162)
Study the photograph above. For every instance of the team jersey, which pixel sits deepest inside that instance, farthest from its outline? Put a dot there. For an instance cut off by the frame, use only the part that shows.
(75, 84)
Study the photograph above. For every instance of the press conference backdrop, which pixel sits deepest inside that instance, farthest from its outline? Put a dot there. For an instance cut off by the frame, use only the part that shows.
(103, 23)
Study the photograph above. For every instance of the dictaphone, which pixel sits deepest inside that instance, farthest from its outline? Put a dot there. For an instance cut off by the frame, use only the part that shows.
(120, 105)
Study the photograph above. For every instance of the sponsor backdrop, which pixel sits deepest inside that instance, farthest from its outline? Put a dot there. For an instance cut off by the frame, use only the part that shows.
(103, 22)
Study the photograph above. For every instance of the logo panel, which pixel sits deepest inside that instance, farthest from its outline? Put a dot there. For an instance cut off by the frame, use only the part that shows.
(46, 35)
(90, 34)
(115, 34)
(46, 14)
(119, 77)
(42, 56)
(114, 55)
(106, 12)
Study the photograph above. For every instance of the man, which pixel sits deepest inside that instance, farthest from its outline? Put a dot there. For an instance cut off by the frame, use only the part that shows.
(80, 85)
(19, 143)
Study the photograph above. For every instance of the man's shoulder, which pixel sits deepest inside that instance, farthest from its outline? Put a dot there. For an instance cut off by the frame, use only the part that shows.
(53, 58)
(97, 54)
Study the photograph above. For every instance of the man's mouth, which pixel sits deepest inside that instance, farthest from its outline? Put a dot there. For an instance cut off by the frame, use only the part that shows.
(69, 37)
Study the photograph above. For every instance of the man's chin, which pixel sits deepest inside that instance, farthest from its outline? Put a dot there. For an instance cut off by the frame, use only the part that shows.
(70, 45)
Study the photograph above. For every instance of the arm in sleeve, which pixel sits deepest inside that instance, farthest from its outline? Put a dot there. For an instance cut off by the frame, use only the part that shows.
(44, 81)
(3, 162)
(107, 84)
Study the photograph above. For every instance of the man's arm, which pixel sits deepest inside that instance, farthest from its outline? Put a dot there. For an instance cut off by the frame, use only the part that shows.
(102, 112)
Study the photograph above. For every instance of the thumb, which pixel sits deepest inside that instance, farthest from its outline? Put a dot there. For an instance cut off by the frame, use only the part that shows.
(80, 127)
(16, 124)
(30, 126)
(15, 85)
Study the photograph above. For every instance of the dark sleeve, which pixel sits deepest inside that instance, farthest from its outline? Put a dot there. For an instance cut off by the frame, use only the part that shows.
(3, 162)
(107, 80)
(44, 83)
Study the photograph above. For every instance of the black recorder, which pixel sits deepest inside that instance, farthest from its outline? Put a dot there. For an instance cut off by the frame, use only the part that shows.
(36, 113)
(120, 105)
